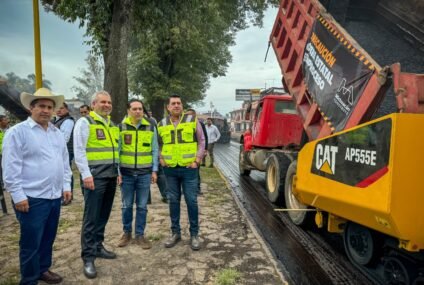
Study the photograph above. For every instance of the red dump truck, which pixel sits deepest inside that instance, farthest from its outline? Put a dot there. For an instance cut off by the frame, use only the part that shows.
(353, 173)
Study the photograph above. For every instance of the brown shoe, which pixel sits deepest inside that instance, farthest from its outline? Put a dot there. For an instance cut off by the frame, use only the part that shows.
(143, 242)
(125, 239)
(50, 277)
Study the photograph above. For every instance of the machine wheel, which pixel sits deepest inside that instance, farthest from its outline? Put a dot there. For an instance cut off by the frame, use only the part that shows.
(298, 217)
(397, 272)
(276, 170)
(242, 167)
(360, 244)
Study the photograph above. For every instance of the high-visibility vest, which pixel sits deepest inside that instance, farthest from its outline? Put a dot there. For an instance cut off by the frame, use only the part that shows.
(136, 144)
(102, 143)
(180, 142)
(1, 140)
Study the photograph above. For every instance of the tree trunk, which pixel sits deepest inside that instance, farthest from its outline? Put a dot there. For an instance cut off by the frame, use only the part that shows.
(158, 107)
(116, 58)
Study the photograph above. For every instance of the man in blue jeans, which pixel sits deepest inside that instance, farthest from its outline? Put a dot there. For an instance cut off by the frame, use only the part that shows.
(182, 145)
(138, 156)
(36, 172)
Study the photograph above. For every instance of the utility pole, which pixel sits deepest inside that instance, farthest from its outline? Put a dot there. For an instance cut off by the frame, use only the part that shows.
(37, 46)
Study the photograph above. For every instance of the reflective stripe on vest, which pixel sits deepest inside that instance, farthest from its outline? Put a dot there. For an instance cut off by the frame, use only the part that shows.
(102, 143)
(180, 142)
(136, 144)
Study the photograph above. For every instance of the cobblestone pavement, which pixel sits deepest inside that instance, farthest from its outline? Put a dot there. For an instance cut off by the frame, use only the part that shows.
(231, 253)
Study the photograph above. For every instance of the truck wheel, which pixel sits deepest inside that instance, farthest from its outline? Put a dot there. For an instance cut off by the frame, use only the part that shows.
(242, 166)
(361, 244)
(298, 217)
(276, 169)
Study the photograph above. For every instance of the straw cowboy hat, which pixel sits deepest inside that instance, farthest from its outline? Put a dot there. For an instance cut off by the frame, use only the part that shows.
(42, 93)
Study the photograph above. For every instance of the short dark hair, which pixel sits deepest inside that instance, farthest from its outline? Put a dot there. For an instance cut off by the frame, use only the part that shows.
(173, 96)
(134, 100)
(65, 105)
(2, 117)
(85, 106)
(209, 119)
(191, 110)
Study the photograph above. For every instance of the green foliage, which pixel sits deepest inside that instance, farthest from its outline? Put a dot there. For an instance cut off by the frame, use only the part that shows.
(24, 84)
(90, 80)
(181, 44)
(176, 46)
(228, 276)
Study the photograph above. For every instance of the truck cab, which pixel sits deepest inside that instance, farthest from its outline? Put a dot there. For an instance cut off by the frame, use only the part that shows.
(275, 134)
(275, 123)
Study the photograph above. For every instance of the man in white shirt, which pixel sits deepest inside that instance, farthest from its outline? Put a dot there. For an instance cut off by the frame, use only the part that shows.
(65, 123)
(97, 157)
(213, 137)
(36, 173)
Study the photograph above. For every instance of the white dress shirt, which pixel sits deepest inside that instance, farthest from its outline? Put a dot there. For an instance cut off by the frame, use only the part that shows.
(213, 134)
(81, 133)
(35, 162)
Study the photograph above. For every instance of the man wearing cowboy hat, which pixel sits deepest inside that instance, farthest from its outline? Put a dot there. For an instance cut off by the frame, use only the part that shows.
(36, 172)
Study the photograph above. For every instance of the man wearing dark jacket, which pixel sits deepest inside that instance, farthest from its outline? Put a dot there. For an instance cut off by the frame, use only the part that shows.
(65, 123)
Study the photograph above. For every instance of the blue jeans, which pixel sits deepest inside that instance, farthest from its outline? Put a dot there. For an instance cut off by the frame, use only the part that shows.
(185, 180)
(38, 232)
(138, 186)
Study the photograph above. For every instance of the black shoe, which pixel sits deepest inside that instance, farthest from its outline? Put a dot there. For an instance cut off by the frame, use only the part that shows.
(90, 269)
(104, 253)
(164, 200)
(173, 240)
(199, 193)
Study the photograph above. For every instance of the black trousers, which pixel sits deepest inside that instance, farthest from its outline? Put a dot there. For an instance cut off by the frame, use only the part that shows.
(98, 205)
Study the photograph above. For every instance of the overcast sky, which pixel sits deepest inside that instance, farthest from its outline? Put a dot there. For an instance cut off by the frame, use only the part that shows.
(64, 51)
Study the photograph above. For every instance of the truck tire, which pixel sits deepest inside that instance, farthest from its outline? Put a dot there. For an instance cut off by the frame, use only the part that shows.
(276, 170)
(243, 171)
(298, 217)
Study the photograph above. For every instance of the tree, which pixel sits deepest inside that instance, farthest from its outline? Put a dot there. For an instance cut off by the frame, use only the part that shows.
(108, 25)
(25, 84)
(110, 22)
(183, 43)
(90, 80)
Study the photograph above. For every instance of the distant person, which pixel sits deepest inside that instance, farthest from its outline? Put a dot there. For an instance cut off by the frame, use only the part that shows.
(192, 112)
(161, 179)
(138, 162)
(213, 137)
(180, 156)
(96, 156)
(65, 123)
(150, 115)
(37, 174)
(4, 126)
(84, 110)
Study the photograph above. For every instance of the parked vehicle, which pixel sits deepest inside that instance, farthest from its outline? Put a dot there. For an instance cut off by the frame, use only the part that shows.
(349, 172)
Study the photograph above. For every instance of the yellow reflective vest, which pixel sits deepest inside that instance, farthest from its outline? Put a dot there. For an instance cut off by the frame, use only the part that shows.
(136, 144)
(102, 143)
(1, 140)
(179, 144)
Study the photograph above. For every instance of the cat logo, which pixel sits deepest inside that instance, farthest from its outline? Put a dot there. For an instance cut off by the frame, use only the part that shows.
(325, 158)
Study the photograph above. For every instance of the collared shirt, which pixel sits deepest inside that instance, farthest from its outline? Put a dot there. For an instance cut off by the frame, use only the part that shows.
(213, 133)
(35, 162)
(155, 147)
(200, 140)
(66, 128)
(81, 133)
